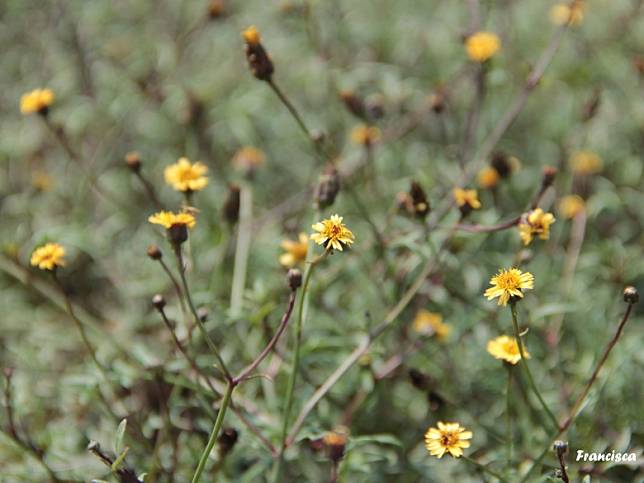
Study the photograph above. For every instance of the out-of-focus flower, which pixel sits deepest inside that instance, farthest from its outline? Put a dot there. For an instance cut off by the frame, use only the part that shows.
(186, 176)
(430, 323)
(332, 233)
(535, 222)
(48, 256)
(335, 443)
(449, 438)
(506, 348)
(562, 13)
(41, 180)
(295, 251)
(248, 159)
(259, 62)
(571, 205)
(488, 177)
(37, 100)
(481, 46)
(585, 162)
(466, 198)
(168, 219)
(365, 135)
(509, 283)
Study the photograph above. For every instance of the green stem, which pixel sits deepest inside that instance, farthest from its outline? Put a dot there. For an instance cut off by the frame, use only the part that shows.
(508, 415)
(524, 364)
(242, 251)
(215, 432)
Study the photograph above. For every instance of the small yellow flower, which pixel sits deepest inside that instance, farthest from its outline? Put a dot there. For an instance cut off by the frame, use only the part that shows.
(295, 251)
(506, 348)
(488, 177)
(571, 205)
(509, 283)
(186, 176)
(536, 222)
(168, 219)
(449, 438)
(332, 233)
(562, 13)
(251, 35)
(41, 180)
(48, 257)
(468, 198)
(248, 158)
(585, 162)
(37, 100)
(365, 135)
(482, 45)
(430, 323)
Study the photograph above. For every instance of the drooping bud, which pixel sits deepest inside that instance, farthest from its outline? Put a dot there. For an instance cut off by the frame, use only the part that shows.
(328, 187)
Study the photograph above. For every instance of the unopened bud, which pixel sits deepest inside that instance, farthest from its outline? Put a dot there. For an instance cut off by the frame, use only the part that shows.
(501, 163)
(133, 161)
(418, 379)
(294, 277)
(227, 440)
(259, 62)
(177, 234)
(549, 173)
(328, 187)
(154, 252)
(231, 205)
(560, 447)
(419, 200)
(202, 312)
(216, 9)
(335, 443)
(158, 301)
(354, 104)
(631, 295)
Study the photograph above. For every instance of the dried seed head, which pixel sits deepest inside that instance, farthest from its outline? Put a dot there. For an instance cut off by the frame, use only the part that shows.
(560, 447)
(154, 252)
(328, 187)
(501, 163)
(215, 9)
(133, 161)
(335, 443)
(158, 301)
(259, 62)
(354, 104)
(294, 277)
(631, 295)
(177, 234)
(227, 440)
(230, 209)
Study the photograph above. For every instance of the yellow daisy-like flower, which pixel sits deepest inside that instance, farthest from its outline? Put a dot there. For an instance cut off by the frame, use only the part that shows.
(449, 438)
(249, 158)
(48, 257)
(251, 35)
(488, 177)
(563, 13)
(365, 135)
(571, 205)
(332, 233)
(585, 162)
(186, 176)
(37, 100)
(482, 45)
(509, 283)
(506, 349)
(295, 251)
(430, 323)
(168, 219)
(468, 198)
(536, 222)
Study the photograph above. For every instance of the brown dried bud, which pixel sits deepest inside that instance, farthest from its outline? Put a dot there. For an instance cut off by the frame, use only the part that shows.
(216, 9)
(133, 161)
(227, 440)
(631, 295)
(501, 163)
(419, 200)
(259, 62)
(354, 104)
(158, 301)
(177, 234)
(154, 252)
(230, 209)
(549, 173)
(560, 447)
(328, 187)
(294, 277)
(335, 443)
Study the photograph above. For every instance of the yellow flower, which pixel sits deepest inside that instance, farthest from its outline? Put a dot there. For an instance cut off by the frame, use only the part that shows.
(251, 35)
(509, 283)
(449, 438)
(506, 348)
(482, 45)
(186, 176)
(295, 251)
(562, 13)
(571, 205)
(365, 135)
(48, 257)
(168, 219)
(585, 162)
(37, 100)
(430, 323)
(249, 158)
(332, 233)
(468, 198)
(41, 180)
(536, 222)
(488, 177)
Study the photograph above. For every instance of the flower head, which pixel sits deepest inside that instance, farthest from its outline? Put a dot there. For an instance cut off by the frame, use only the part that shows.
(535, 222)
(37, 100)
(259, 61)
(466, 198)
(449, 438)
(482, 45)
(562, 13)
(571, 205)
(295, 251)
(248, 159)
(332, 233)
(430, 323)
(186, 176)
(509, 283)
(488, 177)
(251, 36)
(506, 348)
(168, 219)
(365, 135)
(335, 442)
(585, 162)
(48, 257)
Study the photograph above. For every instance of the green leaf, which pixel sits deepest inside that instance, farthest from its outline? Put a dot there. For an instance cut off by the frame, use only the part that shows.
(120, 434)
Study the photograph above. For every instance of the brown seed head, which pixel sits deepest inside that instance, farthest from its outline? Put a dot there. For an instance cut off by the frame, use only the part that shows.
(631, 295)
(154, 252)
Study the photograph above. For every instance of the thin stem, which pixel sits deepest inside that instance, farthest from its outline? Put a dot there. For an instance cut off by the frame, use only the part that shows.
(291, 108)
(177, 289)
(242, 250)
(485, 469)
(508, 415)
(215, 432)
(149, 190)
(562, 466)
(524, 364)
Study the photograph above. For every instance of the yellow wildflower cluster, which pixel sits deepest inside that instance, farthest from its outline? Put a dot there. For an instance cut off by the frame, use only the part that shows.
(48, 256)
(365, 135)
(535, 222)
(571, 205)
(466, 198)
(430, 323)
(585, 162)
(37, 100)
(563, 13)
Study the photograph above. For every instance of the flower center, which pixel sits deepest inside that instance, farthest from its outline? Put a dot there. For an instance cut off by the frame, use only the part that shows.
(508, 280)
(449, 438)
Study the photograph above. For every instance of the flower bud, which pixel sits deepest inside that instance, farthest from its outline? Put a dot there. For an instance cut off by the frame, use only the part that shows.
(328, 187)
(227, 440)
(133, 161)
(202, 312)
(154, 252)
(259, 62)
(549, 173)
(419, 200)
(354, 104)
(294, 277)
(560, 447)
(230, 209)
(335, 443)
(159, 302)
(177, 234)
(216, 9)
(631, 295)
(501, 163)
